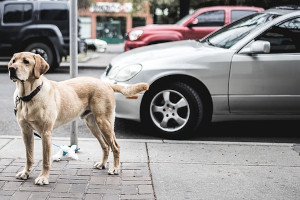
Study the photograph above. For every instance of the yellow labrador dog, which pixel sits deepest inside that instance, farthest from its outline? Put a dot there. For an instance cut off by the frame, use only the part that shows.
(43, 105)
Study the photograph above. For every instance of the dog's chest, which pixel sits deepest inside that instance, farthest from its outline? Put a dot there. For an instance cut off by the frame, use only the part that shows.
(28, 113)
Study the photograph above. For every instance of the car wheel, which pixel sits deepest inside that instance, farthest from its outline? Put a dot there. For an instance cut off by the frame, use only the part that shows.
(46, 52)
(174, 110)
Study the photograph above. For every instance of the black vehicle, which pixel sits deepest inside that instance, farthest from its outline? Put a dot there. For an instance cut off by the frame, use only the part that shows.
(37, 26)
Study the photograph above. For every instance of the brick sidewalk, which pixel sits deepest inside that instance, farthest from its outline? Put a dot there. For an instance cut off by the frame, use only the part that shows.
(76, 180)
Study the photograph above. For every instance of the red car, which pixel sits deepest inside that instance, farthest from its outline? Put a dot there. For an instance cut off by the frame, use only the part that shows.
(195, 26)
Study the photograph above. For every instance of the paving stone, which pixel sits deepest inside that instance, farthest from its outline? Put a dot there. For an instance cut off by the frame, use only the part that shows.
(83, 172)
(93, 197)
(39, 195)
(111, 197)
(2, 183)
(95, 180)
(129, 189)
(37, 188)
(141, 197)
(139, 178)
(145, 189)
(78, 188)
(62, 187)
(12, 185)
(12, 169)
(71, 181)
(136, 182)
(5, 197)
(113, 180)
(129, 172)
(66, 195)
(5, 162)
(20, 195)
(6, 193)
(103, 191)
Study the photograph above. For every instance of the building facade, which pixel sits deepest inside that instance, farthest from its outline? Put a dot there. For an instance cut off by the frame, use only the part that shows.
(110, 21)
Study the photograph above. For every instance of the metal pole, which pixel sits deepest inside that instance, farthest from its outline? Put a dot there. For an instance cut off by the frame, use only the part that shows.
(73, 61)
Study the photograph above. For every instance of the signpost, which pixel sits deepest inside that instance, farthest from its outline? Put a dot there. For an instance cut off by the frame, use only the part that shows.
(73, 60)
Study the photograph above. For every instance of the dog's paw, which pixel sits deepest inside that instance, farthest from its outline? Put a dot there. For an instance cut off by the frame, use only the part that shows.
(114, 171)
(22, 175)
(42, 180)
(99, 165)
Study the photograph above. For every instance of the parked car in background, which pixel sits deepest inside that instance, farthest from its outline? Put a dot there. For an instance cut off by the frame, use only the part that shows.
(247, 70)
(37, 26)
(194, 26)
(96, 45)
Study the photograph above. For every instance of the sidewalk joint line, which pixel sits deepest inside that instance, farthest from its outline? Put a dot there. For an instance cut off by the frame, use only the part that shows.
(148, 163)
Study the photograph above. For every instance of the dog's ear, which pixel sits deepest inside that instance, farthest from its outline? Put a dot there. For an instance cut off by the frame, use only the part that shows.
(40, 67)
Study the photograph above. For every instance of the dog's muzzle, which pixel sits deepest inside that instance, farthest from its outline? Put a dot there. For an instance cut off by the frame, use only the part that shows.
(13, 74)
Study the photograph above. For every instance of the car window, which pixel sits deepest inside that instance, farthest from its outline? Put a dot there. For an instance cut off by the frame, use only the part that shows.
(211, 18)
(284, 38)
(234, 32)
(17, 13)
(238, 14)
(184, 19)
(53, 12)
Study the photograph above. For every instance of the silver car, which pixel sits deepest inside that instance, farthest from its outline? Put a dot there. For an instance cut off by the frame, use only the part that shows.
(248, 69)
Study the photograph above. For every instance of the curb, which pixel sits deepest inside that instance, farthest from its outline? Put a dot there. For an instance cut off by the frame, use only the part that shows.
(169, 141)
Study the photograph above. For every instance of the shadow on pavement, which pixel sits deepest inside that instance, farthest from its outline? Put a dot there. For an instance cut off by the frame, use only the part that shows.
(279, 131)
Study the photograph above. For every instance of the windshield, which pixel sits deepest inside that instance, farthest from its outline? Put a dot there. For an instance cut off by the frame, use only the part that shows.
(184, 19)
(234, 32)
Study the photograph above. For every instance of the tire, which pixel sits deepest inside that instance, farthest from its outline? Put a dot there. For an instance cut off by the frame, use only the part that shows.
(46, 52)
(174, 110)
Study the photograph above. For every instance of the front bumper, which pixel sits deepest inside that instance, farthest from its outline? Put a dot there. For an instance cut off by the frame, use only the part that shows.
(128, 108)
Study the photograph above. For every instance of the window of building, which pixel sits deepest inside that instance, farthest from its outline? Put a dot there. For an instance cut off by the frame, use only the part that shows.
(85, 27)
(138, 21)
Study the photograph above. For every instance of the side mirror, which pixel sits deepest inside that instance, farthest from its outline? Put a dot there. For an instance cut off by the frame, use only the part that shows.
(256, 47)
(193, 23)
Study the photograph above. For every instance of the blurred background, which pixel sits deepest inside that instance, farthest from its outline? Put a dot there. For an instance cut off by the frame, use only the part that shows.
(110, 20)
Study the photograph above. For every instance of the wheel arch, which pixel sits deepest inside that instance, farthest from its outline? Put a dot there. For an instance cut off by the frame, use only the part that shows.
(44, 40)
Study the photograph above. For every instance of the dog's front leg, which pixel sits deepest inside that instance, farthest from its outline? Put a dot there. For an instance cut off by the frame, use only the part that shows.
(28, 139)
(43, 178)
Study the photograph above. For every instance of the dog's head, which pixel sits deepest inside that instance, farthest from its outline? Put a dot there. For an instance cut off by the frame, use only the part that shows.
(25, 66)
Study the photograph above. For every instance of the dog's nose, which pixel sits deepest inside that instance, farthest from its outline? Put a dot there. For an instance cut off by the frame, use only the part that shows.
(12, 73)
(12, 70)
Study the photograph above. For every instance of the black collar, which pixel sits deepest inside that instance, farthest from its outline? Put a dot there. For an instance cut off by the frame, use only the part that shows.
(31, 95)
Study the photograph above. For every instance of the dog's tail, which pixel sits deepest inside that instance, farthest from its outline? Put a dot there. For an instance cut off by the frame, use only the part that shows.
(130, 91)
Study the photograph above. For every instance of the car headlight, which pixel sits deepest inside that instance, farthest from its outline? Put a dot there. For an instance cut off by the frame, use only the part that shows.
(124, 73)
(135, 34)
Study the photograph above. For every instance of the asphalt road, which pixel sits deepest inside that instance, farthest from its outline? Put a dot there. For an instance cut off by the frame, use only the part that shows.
(250, 131)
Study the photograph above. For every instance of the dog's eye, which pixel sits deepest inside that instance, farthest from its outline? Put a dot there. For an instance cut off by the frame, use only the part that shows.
(14, 60)
(25, 61)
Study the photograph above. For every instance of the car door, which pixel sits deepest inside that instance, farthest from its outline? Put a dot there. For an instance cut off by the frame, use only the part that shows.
(269, 83)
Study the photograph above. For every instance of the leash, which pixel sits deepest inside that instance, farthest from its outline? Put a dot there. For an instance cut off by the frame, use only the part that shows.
(37, 135)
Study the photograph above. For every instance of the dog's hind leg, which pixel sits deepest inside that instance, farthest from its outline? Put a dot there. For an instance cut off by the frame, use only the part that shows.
(92, 126)
(28, 139)
(107, 129)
